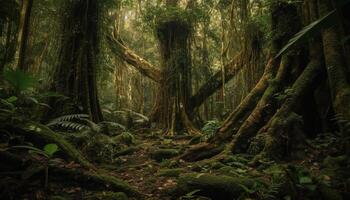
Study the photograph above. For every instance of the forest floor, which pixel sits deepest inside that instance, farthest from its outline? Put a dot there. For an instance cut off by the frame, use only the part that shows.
(152, 167)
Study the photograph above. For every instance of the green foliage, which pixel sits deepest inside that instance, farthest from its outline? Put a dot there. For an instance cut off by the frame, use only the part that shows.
(126, 138)
(20, 108)
(156, 15)
(48, 150)
(209, 129)
(18, 80)
(71, 122)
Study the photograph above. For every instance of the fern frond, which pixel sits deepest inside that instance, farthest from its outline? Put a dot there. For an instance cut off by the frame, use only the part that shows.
(69, 125)
(67, 118)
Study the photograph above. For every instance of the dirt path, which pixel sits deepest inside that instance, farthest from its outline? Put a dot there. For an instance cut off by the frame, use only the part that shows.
(141, 171)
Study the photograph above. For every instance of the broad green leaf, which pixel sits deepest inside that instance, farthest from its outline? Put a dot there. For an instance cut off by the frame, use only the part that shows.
(50, 149)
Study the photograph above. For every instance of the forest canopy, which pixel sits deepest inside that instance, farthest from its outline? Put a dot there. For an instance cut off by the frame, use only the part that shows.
(175, 99)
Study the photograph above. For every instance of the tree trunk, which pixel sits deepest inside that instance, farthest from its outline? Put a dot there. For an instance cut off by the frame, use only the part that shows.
(251, 114)
(6, 57)
(76, 73)
(173, 104)
(336, 66)
(282, 130)
(24, 26)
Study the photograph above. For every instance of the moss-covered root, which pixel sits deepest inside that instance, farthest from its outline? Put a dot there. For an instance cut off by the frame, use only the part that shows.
(201, 151)
(42, 132)
(97, 180)
(108, 196)
(214, 187)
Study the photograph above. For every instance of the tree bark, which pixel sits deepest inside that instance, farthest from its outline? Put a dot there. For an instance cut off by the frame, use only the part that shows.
(336, 66)
(24, 26)
(76, 73)
(173, 108)
(283, 128)
(140, 64)
(216, 81)
(286, 24)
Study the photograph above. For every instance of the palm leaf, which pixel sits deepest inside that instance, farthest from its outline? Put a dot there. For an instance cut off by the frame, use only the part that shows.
(309, 31)
(315, 27)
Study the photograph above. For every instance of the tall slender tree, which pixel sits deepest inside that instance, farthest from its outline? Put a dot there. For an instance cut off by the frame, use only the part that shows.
(24, 26)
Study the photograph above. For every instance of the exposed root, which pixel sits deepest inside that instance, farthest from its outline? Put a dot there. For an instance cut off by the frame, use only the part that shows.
(91, 173)
(201, 151)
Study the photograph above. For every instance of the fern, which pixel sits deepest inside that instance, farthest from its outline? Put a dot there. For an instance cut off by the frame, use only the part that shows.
(70, 122)
(70, 117)
(69, 125)
(272, 191)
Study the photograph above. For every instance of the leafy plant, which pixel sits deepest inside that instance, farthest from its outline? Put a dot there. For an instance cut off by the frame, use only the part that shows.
(18, 80)
(126, 138)
(72, 122)
(47, 152)
(209, 129)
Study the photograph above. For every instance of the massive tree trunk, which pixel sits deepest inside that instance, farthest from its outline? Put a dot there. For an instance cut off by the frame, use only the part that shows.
(173, 108)
(282, 133)
(336, 66)
(260, 104)
(24, 25)
(76, 74)
(285, 23)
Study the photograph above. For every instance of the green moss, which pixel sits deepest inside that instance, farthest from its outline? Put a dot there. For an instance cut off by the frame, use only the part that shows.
(57, 197)
(126, 151)
(171, 172)
(216, 165)
(109, 196)
(212, 186)
(162, 154)
(229, 171)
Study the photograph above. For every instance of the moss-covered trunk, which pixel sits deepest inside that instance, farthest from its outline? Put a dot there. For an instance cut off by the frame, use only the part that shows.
(335, 63)
(76, 73)
(173, 109)
(285, 127)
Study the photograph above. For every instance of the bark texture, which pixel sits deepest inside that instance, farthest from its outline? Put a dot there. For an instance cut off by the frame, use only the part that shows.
(335, 63)
(24, 25)
(76, 74)
(173, 108)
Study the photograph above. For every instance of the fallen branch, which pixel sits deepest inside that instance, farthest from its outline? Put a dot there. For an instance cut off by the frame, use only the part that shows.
(140, 64)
